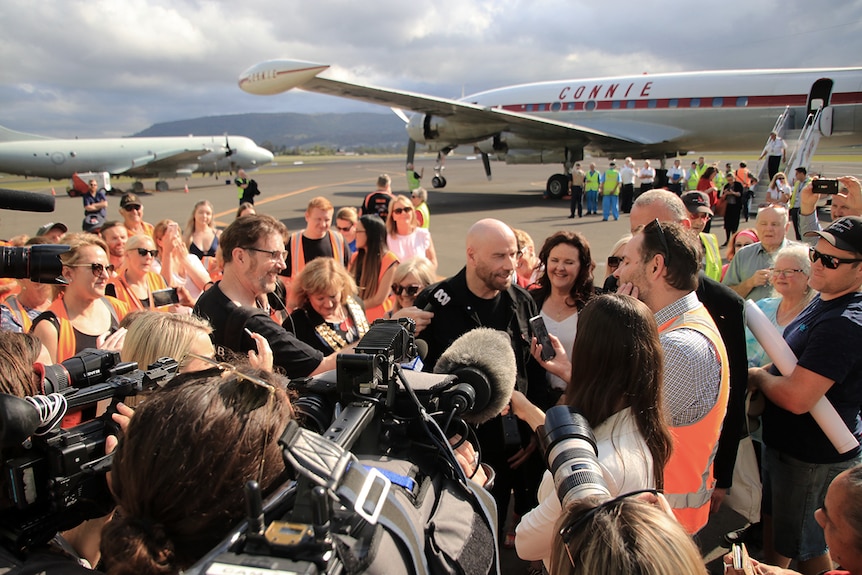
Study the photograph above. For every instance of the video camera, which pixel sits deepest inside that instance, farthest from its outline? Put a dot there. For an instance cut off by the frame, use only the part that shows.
(380, 474)
(55, 478)
(39, 263)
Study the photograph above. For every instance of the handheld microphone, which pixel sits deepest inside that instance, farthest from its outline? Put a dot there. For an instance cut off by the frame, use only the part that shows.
(25, 201)
(484, 359)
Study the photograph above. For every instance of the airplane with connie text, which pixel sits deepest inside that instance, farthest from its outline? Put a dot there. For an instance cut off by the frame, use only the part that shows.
(160, 157)
(645, 116)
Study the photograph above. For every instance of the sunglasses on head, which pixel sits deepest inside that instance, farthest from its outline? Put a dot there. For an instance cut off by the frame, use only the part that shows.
(143, 252)
(404, 210)
(830, 262)
(409, 291)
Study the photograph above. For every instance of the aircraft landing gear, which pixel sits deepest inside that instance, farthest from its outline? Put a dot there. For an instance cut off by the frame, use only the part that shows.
(138, 187)
(162, 186)
(438, 182)
(558, 186)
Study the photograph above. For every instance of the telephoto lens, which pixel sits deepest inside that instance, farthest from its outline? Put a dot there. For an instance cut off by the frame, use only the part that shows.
(570, 450)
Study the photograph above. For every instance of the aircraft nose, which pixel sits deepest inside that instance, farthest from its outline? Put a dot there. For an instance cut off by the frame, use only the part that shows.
(263, 156)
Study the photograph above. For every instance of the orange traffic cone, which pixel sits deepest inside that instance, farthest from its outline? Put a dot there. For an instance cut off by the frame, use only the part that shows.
(53, 193)
(187, 188)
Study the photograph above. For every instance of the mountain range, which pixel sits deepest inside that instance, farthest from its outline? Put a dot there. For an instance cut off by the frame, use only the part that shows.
(286, 131)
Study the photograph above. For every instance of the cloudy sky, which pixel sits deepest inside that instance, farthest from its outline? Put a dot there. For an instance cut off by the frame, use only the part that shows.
(92, 68)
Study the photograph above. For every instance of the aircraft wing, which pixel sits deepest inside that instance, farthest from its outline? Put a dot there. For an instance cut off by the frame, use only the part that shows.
(161, 162)
(277, 76)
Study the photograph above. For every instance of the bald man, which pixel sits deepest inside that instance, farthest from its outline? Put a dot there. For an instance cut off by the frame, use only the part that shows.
(482, 295)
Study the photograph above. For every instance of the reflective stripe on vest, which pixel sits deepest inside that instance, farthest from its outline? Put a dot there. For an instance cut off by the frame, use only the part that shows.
(297, 256)
(17, 309)
(743, 176)
(711, 256)
(688, 481)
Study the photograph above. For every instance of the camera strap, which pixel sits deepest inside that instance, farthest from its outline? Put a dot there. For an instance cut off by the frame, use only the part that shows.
(366, 490)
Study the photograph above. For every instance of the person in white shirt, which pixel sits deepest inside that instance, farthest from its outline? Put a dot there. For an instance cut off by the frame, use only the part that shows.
(646, 177)
(776, 149)
(676, 178)
(627, 192)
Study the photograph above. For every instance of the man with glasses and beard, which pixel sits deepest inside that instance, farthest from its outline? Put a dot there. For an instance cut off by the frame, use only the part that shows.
(799, 460)
(253, 251)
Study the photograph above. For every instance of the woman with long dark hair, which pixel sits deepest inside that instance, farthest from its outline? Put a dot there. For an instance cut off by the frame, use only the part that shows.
(616, 383)
(373, 266)
(565, 286)
(707, 185)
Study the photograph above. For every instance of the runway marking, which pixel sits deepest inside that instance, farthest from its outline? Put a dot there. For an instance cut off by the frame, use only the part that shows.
(287, 195)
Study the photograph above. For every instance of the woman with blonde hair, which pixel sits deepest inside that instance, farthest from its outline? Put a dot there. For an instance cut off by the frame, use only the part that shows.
(178, 335)
(404, 236)
(627, 535)
(779, 190)
(179, 268)
(136, 280)
(201, 236)
(411, 277)
(328, 315)
(84, 317)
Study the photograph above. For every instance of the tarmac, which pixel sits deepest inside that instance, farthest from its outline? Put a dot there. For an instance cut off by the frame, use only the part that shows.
(513, 196)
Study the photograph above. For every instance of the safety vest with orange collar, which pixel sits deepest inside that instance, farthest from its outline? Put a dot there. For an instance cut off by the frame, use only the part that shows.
(125, 294)
(297, 256)
(20, 312)
(688, 478)
(66, 344)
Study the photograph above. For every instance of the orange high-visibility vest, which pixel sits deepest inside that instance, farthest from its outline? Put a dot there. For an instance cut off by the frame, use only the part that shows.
(297, 257)
(66, 345)
(125, 294)
(688, 477)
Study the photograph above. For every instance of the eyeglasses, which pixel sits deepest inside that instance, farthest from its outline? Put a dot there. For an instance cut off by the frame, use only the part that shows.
(96, 268)
(614, 261)
(274, 255)
(830, 262)
(144, 252)
(409, 291)
(132, 207)
(400, 211)
(663, 239)
(345, 228)
(569, 530)
(786, 273)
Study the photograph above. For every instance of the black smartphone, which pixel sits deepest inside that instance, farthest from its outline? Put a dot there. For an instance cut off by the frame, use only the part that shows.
(540, 332)
(824, 186)
(168, 296)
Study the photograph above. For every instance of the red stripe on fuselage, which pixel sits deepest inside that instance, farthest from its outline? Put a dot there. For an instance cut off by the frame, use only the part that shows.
(839, 99)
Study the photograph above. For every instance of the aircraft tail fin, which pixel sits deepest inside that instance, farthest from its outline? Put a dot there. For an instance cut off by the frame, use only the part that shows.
(7, 135)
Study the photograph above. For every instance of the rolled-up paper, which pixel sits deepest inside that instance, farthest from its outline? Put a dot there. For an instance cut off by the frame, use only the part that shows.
(785, 360)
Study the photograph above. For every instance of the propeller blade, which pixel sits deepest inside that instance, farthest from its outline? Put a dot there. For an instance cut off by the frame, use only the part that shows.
(400, 113)
(486, 161)
(229, 152)
(411, 151)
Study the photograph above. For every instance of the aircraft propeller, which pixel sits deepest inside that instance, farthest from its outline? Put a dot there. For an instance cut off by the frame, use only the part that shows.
(229, 151)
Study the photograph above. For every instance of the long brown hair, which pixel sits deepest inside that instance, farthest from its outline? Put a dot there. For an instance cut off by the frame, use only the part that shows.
(582, 290)
(178, 474)
(617, 363)
(366, 266)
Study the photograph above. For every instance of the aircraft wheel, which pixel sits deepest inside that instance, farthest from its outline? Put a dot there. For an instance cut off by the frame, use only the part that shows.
(138, 187)
(438, 182)
(162, 186)
(558, 186)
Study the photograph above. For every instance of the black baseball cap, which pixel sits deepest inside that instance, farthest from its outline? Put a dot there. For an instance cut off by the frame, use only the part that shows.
(696, 203)
(844, 233)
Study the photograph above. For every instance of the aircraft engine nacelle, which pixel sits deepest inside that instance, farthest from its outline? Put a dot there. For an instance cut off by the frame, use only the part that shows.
(425, 128)
(535, 156)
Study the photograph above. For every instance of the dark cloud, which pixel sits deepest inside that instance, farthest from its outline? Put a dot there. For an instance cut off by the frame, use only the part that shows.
(100, 67)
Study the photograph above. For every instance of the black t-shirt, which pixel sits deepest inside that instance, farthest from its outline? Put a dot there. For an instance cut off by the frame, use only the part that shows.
(312, 249)
(297, 358)
(377, 203)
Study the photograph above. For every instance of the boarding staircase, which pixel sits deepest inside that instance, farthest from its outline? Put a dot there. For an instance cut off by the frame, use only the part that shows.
(799, 151)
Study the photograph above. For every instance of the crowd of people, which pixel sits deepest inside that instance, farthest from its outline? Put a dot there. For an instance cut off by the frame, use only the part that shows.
(656, 358)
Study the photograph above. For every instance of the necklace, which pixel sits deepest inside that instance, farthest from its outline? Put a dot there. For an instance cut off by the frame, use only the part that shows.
(786, 316)
(558, 310)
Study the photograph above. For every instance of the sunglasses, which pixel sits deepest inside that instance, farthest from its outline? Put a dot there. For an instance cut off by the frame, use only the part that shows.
(657, 224)
(132, 207)
(143, 252)
(344, 229)
(829, 262)
(97, 269)
(227, 368)
(614, 261)
(409, 291)
(400, 211)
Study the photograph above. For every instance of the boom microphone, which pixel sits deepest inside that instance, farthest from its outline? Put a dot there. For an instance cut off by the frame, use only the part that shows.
(25, 201)
(484, 359)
